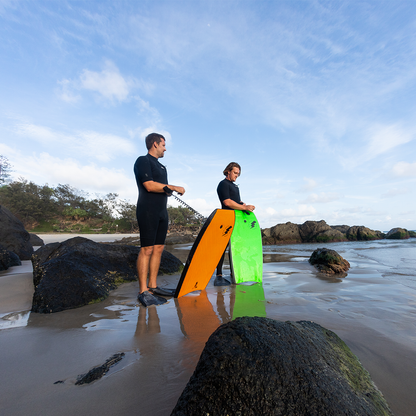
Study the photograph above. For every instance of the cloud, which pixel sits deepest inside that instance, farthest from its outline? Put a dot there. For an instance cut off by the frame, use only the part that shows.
(394, 192)
(45, 168)
(109, 82)
(322, 198)
(103, 147)
(404, 169)
(302, 211)
(385, 138)
(65, 92)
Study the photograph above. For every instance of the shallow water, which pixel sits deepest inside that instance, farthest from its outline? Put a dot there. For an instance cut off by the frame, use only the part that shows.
(373, 309)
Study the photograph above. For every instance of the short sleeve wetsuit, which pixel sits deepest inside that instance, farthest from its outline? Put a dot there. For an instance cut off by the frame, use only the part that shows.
(151, 211)
(228, 190)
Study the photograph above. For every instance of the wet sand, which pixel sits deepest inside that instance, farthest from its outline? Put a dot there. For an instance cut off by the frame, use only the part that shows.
(375, 316)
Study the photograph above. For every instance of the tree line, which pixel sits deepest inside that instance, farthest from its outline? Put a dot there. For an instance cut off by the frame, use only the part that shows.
(33, 203)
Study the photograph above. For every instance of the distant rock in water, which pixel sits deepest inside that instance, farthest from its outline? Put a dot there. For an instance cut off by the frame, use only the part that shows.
(361, 233)
(13, 235)
(398, 234)
(8, 259)
(328, 261)
(317, 232)
(79, 271)
(259, 366)
(287, 233)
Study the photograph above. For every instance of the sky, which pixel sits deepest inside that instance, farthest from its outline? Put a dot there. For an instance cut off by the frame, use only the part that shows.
(316, 100)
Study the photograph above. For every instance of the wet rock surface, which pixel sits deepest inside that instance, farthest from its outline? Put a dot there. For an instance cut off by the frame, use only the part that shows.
(79, 271)
(398, 234)
(329, 261)
(35, 240)
(13, 235)
(8, 259)
(97, 372)
(361, 233)
(259, 366)
(317, 232)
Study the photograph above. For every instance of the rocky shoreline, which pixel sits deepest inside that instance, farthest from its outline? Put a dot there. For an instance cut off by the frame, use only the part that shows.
(321, 232)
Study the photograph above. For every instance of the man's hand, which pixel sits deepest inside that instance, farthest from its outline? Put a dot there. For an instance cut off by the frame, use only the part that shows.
(179, 189)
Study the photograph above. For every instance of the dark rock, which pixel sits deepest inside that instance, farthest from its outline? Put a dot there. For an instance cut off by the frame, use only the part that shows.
(79, 271)
(258, 366)
(309, 230)
(361, 233)
(282, 233)
(97, 372)
(8, 259)
(179, 238)
(342, 228)
(398, 234)
(36, 240)
(330, 236)
(328, 261)
(412, 234)
(13, 235)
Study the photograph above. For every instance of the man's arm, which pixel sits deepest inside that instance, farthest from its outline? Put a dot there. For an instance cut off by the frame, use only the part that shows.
(152, 186)
(234, 205)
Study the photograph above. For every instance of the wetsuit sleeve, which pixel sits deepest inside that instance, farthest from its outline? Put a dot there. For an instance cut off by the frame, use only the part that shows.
(143, 170)
(223, 191)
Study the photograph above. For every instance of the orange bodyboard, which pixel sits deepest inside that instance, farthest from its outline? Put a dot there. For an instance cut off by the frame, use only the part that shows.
(206, 252)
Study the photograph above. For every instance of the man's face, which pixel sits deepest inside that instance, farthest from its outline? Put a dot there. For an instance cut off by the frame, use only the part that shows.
(233, 174)
(160, 148)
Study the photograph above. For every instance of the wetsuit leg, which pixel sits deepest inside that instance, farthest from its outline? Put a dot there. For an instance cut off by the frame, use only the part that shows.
(153, 227)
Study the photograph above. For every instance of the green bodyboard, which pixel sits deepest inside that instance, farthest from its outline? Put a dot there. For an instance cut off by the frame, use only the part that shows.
(246, 249)
(249, 301)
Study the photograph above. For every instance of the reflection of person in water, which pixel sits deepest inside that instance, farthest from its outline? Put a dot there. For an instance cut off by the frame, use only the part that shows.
(229, 196)
(151, 326)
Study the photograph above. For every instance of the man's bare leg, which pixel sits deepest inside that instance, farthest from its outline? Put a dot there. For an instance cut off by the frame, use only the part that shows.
(143, 262)
(155, 264)
(149, 260)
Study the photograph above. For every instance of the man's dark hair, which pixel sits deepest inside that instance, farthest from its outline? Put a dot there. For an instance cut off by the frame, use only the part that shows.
(230, 167)
(153, 138)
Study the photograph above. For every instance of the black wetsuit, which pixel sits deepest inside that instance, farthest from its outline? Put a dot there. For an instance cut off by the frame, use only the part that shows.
(151, 211)
(227, 190)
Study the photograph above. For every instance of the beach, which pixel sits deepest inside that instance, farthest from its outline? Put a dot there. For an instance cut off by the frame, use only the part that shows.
(373, 309)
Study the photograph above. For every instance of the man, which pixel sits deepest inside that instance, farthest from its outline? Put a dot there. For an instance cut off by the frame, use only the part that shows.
(152, 216)
(229, 196)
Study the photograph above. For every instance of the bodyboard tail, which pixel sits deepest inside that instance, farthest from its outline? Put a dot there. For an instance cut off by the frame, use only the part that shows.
(246, 249)
(206, 252)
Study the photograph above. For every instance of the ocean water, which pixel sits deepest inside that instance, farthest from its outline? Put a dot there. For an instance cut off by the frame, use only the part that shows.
(393, 259)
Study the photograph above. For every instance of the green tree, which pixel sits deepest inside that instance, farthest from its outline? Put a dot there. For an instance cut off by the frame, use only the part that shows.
(127, 213)
(182, 216)
(28, 201)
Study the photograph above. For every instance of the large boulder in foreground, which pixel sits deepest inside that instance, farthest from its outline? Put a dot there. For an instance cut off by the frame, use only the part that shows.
(13, 235)
(329, 261)
(8, 259)
(79, 271)
(259, 366)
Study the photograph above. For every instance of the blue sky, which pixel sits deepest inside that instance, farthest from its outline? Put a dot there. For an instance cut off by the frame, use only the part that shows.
(314, 99)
